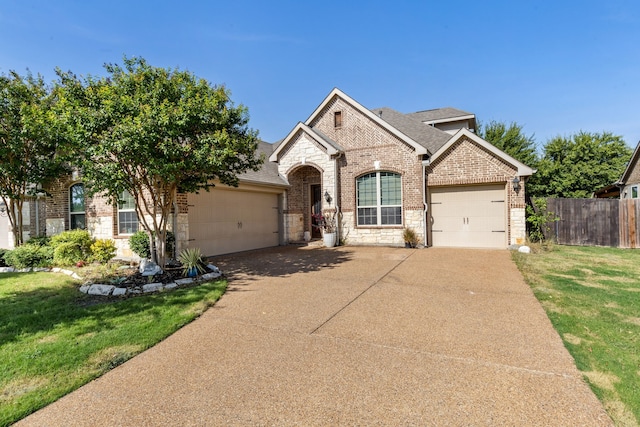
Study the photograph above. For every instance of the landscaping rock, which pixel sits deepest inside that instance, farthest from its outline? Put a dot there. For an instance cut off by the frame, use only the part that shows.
(171, 286)
(119, 291)
(7, 270)
(101, 290)
(149, 268)
(42, 270)
(210, 276)
(213, 268)
(524, 249)
(24, 270)
(152, 287)
(184, 281)
(84, 288)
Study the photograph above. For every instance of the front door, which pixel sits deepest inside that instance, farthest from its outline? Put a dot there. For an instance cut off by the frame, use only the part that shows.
(316, 209)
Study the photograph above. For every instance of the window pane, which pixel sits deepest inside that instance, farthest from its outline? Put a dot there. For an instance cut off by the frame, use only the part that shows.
(390, 192)
(634, 192)
(367, 190)
(367, 216)
(391, 216)
(77, 222)
(128, 201)
(128, 222)
(76, 198)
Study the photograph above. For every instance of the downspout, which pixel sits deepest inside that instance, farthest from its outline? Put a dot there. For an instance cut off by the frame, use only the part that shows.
(335, 196)
(425, 163)
(174, 225)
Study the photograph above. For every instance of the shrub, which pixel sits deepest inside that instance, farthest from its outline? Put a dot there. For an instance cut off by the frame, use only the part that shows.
(139, 243)
(192, 261)
(67, 253)
(540, 220)
(39, 241)
(3, 252)
(102, 250)
(27, 255)
(79, 238)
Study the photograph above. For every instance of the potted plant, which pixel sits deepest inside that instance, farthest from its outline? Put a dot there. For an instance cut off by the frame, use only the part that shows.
(326, 221)
(410, 237)
(192, 263)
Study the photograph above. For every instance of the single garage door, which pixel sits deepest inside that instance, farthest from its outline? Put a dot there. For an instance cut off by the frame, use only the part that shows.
(469, 216)
(224, 221)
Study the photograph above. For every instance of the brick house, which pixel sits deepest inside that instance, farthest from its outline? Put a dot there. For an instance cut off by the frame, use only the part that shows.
(381, 170)
(384, 170)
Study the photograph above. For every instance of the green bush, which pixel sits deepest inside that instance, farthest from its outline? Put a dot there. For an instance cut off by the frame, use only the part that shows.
(39, 241)
(27, 255)
(102, 250)
(79, 238)
(139, 244)
(2, 254)
(67, 253)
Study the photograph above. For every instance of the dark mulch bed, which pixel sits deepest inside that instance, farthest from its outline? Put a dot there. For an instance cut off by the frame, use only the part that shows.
(134, 278)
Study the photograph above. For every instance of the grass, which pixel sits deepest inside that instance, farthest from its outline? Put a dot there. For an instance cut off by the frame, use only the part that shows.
(592, 297)
(54, 339)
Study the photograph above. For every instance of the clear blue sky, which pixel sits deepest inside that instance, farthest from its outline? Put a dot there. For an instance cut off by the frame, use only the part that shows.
(555, 67)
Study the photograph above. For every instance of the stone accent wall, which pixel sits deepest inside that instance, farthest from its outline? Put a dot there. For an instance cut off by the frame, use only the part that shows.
(383, 236)
(467, 163)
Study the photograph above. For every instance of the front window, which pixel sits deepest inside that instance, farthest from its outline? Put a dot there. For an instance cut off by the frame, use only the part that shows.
(127, 217)
(634, 192)
(379, 199)
(77, 213)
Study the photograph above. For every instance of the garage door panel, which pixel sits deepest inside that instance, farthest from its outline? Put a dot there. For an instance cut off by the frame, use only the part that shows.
(226, 221)
(469, 216)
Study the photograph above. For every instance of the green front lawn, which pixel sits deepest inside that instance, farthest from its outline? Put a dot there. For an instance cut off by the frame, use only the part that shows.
(592, 296)
(53, 339)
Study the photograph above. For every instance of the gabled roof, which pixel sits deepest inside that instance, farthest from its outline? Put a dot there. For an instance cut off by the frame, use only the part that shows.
(439, 115)
(630, 166)
(268, 173)
(331, 146)
(419, 148)
(427, 136)
(523, 170)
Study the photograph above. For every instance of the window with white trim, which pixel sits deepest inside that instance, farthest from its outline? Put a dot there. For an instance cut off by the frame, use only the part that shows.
(77, 214)
(379, 199)
(127, 216)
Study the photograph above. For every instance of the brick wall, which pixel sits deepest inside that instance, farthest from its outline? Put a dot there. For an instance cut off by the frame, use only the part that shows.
(467, 163)
(366, 145)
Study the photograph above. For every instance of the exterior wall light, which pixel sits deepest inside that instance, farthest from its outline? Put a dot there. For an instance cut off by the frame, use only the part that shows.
(327, 197)
(516, 184)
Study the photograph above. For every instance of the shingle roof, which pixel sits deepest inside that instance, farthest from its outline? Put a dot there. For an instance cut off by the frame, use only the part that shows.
(427, 136)
(268, 173)
(438, 114)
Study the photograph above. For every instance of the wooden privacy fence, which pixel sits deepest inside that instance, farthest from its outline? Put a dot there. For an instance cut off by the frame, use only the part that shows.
(596, 222)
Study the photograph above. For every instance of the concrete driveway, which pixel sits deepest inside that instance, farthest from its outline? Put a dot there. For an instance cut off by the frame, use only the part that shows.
(351, 336)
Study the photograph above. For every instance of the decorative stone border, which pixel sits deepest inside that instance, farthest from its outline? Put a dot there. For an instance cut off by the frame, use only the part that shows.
(102, 289)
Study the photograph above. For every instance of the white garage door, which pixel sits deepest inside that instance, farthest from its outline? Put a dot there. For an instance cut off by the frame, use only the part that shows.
(469, 216)
(224, 221)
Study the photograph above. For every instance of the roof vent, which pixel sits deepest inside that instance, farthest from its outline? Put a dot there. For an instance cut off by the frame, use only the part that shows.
(380, 113)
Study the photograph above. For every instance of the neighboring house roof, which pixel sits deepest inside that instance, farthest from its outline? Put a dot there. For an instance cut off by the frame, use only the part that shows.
(630, 166)
(268, 172)
(523, 170)
(427, 136)
(441, 115)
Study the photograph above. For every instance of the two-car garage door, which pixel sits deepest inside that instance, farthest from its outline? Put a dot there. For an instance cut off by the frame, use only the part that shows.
(469, 216)
(231, 220)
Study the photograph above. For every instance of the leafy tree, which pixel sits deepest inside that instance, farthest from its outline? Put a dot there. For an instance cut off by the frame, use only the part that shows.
(153, 132)
(511, 140)
(575, 167)
(31, 146)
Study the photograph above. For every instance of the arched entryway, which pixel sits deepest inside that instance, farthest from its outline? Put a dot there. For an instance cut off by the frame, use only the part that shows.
(304, 200)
